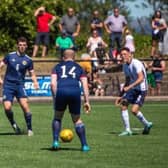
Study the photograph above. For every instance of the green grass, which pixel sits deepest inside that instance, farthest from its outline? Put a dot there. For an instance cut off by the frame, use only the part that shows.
(102, 127)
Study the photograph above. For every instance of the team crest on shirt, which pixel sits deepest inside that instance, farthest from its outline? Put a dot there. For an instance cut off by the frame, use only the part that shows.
(24, 62)
(13, 60)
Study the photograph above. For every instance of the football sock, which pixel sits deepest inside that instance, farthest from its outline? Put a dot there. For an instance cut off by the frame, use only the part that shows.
(10, 116)
(28, 119)
(56, 128)
(141, 118)
(125, 118)
(80, 130)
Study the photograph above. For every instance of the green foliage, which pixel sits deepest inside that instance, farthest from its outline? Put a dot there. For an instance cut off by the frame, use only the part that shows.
(143, 45)
(17, 19)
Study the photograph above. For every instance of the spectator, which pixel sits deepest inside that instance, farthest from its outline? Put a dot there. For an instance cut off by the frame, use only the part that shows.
(44, 21)
(158, 29)
(158, 66)
(96, 23)
(102, 56)
(70, 24)
(114, 25)
(98, 86)
(93, 41)
(63, 42)
(129, 41)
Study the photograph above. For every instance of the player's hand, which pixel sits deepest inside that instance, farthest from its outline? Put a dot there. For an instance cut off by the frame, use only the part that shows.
(36, 85)
(87, 108)
(126, 88)
(118, 101)
(1, 81)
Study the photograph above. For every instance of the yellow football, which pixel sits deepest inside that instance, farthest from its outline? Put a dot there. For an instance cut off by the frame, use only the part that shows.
(66, 135)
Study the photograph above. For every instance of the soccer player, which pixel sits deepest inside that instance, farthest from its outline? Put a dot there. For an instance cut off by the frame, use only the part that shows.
(66, 91)
(18, 63)
(134, 92)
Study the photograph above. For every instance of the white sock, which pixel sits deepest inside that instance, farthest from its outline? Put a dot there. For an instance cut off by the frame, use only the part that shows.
(141, 118)
(125, 118)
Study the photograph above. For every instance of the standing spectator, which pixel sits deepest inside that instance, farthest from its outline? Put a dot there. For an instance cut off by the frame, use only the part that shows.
(114, 25)
(158, 29)
(63, 42)
(133, 92)
(96, 23)
(44, 20)
(129, 41)
(158, 66)
(18, 63)
(66, 91)
(70, 24)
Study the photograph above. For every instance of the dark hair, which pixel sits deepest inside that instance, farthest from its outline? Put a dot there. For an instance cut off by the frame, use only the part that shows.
(21, 39)
(158, 11)
(125, 49)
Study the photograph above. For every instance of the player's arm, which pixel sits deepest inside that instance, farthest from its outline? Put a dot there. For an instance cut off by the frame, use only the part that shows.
(1, 66)
(54, 84)
(119, 99)
(87, 106)
(138, 81)
(34, 79)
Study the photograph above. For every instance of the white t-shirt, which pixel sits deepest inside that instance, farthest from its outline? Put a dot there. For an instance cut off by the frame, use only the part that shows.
(131, 70)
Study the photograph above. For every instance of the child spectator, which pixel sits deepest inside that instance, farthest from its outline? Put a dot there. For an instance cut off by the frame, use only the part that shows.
(129, 41)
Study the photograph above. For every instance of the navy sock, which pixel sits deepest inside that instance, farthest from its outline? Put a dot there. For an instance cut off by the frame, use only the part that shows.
(80, 130)
(56, 128)
(28, 119)
(10, 116)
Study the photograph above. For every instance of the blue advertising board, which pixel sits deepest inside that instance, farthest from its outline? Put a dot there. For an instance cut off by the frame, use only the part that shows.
(44, 86)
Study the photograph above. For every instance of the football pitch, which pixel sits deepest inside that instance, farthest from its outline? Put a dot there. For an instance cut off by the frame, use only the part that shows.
(103, 125)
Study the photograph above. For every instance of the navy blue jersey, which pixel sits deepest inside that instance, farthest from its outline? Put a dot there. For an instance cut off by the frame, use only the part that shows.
(68, 74)
(16, 68)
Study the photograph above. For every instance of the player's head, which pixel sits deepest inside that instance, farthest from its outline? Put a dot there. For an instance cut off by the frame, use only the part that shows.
(126, 55)
(69, 54)
(22, 45)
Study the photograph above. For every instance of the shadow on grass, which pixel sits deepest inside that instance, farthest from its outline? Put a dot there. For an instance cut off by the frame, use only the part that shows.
(117, 133)
(12, 133)
(61, 149)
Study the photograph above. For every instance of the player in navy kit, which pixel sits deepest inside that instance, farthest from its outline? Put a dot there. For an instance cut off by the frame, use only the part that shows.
(134, 91)
(18, 63)
(66, 91)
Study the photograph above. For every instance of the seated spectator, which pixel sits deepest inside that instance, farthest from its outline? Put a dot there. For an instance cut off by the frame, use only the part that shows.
(93, 41)
(102, 56)
(97, 85)
(63, 42)
(85, 63)
(157, 66)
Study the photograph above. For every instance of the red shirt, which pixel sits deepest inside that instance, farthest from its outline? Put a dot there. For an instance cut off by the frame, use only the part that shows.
(42, 22)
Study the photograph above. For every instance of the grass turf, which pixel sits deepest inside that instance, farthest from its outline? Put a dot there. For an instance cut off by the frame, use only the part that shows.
(102, 128)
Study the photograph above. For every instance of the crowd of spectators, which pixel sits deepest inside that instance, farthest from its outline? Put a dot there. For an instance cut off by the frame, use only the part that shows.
(100, 54)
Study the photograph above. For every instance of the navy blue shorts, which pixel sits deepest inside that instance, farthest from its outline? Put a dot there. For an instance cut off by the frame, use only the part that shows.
(158, 76)
(9, 92)
(70, 97)
(42, 38)
(135, 96)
